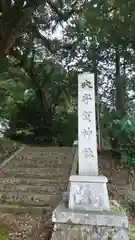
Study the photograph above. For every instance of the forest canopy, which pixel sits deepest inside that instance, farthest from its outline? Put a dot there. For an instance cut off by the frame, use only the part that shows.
(43, 47)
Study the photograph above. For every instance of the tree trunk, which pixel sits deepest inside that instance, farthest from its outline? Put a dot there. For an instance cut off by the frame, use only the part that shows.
(120, 85)
(94, 62)
(40, 97)
(120, 88)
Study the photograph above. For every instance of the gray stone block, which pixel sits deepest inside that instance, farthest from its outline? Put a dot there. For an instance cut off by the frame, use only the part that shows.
(101, 218)
(88, 225)
(88, 193)
(77, 232)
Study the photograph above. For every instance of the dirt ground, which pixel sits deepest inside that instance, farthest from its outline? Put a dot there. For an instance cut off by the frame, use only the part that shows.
(25, 227)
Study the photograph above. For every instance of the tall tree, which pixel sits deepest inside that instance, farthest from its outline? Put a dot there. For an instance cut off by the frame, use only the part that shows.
(19, 18)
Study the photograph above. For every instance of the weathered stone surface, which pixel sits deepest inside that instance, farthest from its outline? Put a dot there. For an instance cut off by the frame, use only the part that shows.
(36, 178)
(37, 172)
(80, 232)
(88, 193)
(21, 175)
(32, 181)
(43, 164)
(88, 161)
(30, 209)
(101, 218)
(88, 225)
(44, 170)
(46, 188)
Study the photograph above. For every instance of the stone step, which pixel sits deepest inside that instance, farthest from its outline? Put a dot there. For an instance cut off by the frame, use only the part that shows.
(41, 171)
(32, 164)
(45, 156)
(22, 198)
(119, 184)
(60, 154)
(48, 188)
(17, 209)
(44, 148)
(34, 180)
(30, 181)
(38, 163)
(10, 174)
(42, 160)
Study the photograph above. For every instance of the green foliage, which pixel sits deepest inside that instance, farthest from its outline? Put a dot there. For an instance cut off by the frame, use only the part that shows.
(130, 231)
(29, 95)
(41, 77)
(44, 125)
(46, 90)
(65, 125)
(118, 209)
(3, 236)
(69, 133)
(123, 130)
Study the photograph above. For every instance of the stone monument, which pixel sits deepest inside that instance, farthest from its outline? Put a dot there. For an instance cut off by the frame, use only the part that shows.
(86, 212)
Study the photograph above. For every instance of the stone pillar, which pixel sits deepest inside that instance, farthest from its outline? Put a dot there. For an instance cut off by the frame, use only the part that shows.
(88, 191)
(88, 162)
(85, 213)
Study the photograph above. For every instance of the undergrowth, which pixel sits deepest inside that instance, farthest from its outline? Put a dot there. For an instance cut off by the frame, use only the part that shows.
(3, 236)
(131, 234)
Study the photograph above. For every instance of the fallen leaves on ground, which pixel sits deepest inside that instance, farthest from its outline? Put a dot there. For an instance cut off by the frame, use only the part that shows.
(25, 227)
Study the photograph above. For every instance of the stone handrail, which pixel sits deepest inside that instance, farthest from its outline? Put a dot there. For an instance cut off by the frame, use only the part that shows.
(7, 160)
(75, 161)
(74, 167)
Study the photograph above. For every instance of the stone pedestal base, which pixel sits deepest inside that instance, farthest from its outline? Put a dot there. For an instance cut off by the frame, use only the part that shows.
(88, 193)
(88, 225)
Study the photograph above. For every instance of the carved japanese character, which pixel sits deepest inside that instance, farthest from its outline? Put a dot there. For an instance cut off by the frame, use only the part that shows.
(86, 83)
(87, 132)
(88, 152)
(86, 98)
(87, 115)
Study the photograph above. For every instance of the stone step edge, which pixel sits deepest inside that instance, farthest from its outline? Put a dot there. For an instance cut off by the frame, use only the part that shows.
(35, 190)
(25, 204)
(18, 209)
(12, 193)
(34, 176)
(43, 181)
(45, 187)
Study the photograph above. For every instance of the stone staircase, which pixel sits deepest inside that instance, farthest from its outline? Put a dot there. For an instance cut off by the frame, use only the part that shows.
(33, 181)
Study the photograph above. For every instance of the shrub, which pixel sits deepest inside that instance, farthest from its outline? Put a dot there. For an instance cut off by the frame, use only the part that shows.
(123, 136)
(65, 127)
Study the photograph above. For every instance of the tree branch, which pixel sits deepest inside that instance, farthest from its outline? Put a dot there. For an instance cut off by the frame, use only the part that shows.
(52, 45)
(63, 15)
(17, 23)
